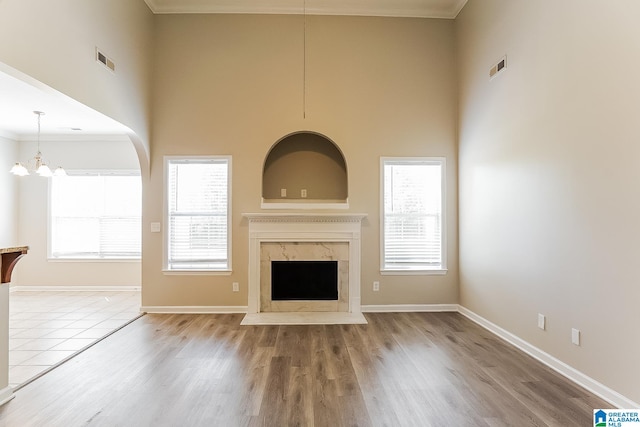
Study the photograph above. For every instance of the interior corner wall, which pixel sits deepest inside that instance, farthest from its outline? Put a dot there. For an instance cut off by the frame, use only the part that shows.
(549, 159)
(55, 43)
(35, 269)
(234, 85)
(8, 190)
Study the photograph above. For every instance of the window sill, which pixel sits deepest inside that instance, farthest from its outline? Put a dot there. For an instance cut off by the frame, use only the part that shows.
(434, 272)
(197, 272)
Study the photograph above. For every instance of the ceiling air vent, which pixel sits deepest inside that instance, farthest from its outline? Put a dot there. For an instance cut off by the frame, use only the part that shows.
(500, 66)
(105, 60)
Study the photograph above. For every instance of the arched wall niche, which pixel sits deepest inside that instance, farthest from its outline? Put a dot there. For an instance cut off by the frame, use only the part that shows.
(304, 162)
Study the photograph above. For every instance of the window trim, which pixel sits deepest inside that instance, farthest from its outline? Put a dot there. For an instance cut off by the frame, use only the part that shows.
(442, 269)
(87, 172)
(165, 216)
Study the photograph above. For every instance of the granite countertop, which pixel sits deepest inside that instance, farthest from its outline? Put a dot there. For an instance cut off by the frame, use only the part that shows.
(16, 249)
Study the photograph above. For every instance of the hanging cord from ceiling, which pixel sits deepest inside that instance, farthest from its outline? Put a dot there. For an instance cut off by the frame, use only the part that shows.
(304, 60)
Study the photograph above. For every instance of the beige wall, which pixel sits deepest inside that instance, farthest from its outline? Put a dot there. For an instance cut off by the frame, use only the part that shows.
(34, 269)
(549, 169)
(8, 190)
(233, 85)
(55, 41)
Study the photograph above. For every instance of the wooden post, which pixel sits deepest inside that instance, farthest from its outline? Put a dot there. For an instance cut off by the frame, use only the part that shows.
(8, 259)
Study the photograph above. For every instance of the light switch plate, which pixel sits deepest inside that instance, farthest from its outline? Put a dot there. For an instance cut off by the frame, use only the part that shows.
(575, 336)
(541, 321)
(155, 227)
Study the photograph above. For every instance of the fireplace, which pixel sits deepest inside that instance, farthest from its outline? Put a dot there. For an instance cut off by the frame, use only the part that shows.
(304, 280)
(308, 253)
(304, 241)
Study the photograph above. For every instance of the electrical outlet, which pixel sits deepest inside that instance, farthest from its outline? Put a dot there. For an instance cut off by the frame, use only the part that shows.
(236, 287)
(303, 193)
(575, 336)
(283, 192)
(376, 286)
(541, 321)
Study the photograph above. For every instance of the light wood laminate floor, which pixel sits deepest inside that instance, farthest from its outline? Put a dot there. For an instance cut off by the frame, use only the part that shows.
(402, 369)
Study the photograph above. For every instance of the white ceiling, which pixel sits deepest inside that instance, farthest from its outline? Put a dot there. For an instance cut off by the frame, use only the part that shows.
(406, 8)
(19, 97)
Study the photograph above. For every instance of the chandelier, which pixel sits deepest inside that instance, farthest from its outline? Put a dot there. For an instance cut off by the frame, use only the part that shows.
(37, 164)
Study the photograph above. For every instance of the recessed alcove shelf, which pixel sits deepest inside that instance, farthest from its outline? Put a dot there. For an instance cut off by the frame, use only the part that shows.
(304, 170)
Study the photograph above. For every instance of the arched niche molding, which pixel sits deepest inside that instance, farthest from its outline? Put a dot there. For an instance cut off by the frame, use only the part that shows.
(304, 170)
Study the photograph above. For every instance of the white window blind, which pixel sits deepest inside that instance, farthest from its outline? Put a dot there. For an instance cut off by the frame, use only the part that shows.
(412, 237)
(95, 215)
(198, 213)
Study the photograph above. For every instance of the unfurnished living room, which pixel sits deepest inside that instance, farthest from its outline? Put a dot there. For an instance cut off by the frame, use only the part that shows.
(319, 213)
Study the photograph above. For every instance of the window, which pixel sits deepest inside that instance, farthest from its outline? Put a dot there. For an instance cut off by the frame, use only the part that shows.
(412, 215)
(198, 214)
(95, 215)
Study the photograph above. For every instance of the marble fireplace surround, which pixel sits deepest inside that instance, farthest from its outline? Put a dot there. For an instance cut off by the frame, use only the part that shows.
(304, 230)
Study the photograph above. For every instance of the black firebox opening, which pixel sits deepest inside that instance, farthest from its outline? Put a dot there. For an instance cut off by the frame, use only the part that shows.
(304, 280)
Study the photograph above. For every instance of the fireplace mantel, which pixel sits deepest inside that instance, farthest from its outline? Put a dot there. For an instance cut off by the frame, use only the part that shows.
(304, 228)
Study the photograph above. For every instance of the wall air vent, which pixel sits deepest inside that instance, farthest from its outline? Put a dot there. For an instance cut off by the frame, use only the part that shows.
(500, 66)
(105, 60)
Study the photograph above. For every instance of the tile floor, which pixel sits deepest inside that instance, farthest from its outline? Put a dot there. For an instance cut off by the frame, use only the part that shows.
(47, 327)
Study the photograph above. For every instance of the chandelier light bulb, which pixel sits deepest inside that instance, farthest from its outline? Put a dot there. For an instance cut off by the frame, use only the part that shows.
(19, 170)
(44, 170)
(38, 163)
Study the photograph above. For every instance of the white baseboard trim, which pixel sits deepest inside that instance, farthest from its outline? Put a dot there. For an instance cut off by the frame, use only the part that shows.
(74, 289)
(171, 309)
(403, 308)
(6, 394)
(557, 365)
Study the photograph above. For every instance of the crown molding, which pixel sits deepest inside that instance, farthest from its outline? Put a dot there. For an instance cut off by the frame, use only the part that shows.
(395, 8)
(458, 8)
(7, 135)
(74, 138)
